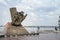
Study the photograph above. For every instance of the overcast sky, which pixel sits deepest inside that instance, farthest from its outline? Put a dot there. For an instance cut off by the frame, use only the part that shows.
(40, 12)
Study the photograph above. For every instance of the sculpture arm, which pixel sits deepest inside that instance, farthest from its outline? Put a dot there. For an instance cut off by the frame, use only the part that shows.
(23, 17)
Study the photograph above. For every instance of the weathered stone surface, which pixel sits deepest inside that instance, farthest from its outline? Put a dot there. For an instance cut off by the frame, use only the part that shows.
(13, 30)
(17, 17)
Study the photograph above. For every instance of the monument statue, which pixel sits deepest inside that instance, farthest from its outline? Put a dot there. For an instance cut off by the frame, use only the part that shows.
(17, 17)
(15, 27)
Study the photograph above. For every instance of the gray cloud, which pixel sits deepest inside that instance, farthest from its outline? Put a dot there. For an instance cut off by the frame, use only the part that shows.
(44, 11)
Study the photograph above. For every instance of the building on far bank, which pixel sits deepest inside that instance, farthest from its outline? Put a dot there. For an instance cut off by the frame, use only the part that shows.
(59, 23)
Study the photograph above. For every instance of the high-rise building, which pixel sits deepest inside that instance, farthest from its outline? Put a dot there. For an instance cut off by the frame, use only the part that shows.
(59, 22)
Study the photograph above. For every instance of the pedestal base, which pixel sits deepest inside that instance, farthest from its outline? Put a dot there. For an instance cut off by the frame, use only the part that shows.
(13, 30)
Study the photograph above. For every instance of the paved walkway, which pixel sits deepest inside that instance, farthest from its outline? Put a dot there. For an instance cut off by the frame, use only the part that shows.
(49, 36)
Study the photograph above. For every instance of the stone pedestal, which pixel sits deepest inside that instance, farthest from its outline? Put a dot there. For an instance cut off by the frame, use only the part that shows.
(13, 30)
